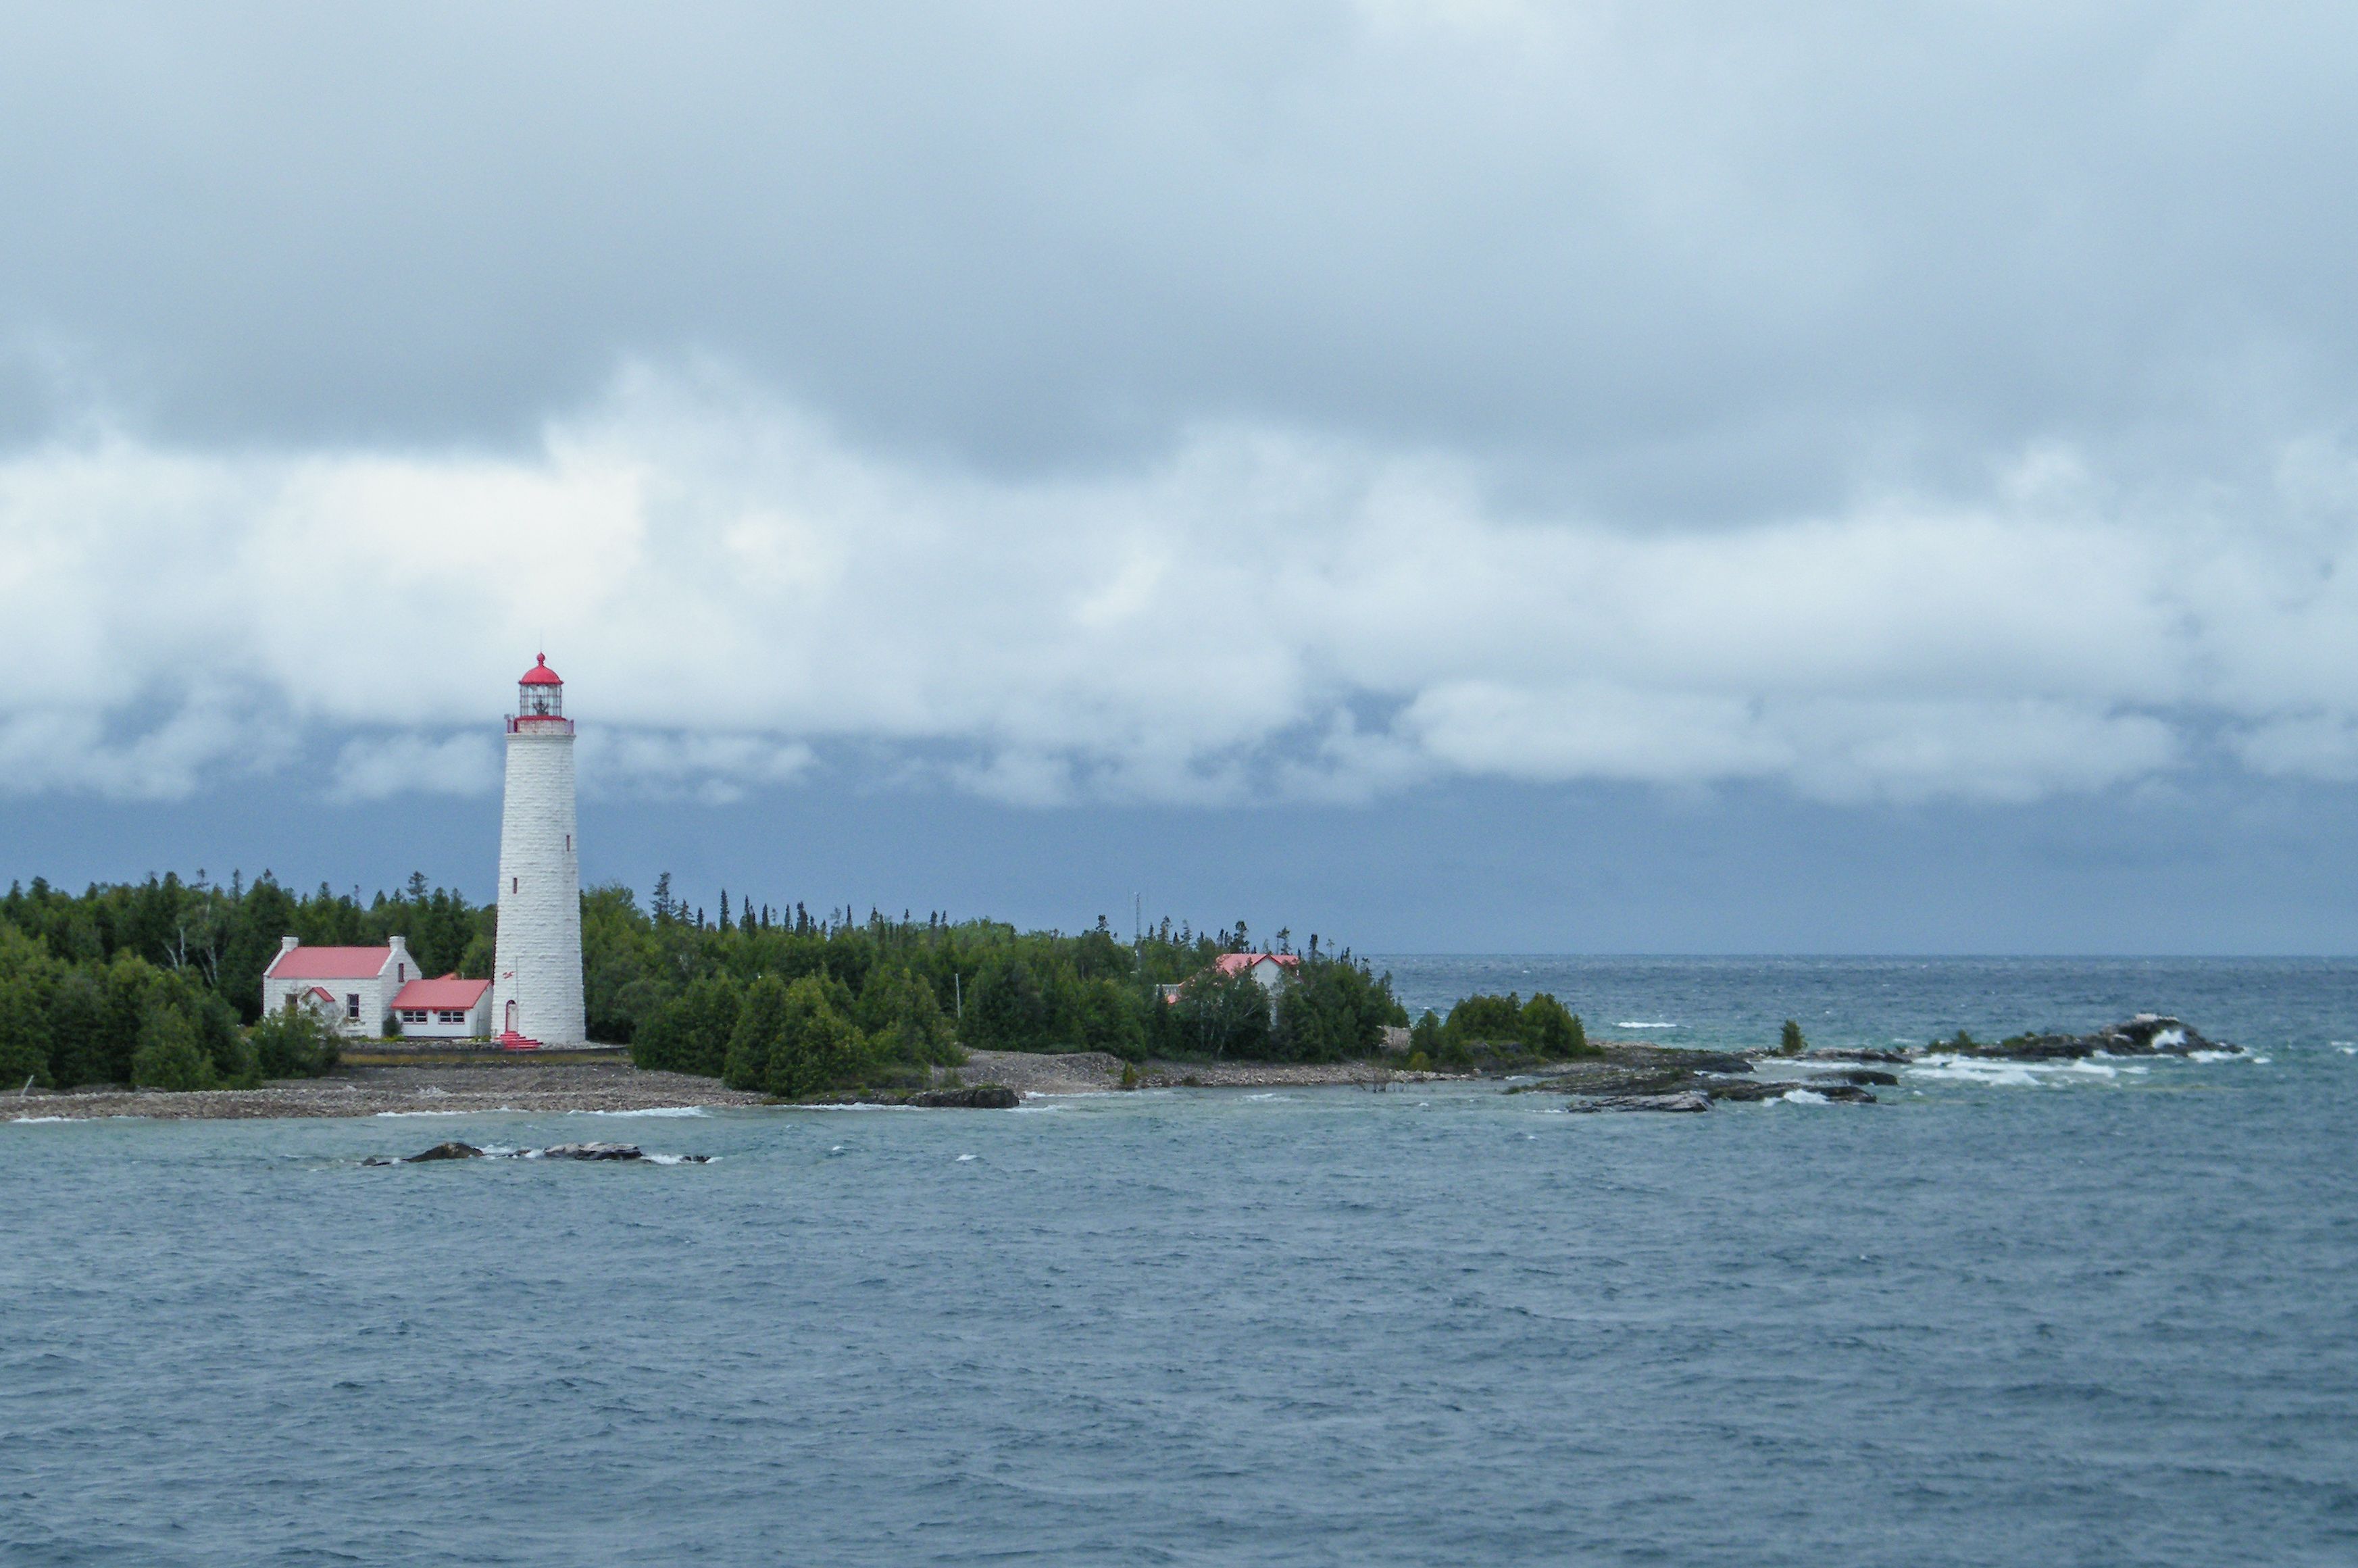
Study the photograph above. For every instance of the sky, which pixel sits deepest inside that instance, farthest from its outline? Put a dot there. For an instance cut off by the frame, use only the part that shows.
(1449, 474)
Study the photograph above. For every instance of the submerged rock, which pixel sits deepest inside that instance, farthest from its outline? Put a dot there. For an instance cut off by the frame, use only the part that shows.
(1849, 1094)
(1690, 1100)
(554, 1151)
(981, 1096)
(440, 1151)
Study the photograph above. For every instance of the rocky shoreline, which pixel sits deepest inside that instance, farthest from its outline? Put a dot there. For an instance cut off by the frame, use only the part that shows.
(1623, 1075)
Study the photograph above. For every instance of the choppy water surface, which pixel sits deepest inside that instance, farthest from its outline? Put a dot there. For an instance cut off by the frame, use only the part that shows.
(2072, 1317)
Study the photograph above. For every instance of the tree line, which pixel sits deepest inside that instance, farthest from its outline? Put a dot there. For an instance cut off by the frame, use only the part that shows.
(160, 983)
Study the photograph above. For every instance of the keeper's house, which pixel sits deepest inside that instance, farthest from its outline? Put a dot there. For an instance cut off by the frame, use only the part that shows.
(355, 989)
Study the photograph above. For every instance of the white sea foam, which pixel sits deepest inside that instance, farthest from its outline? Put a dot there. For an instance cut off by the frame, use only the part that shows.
(28, 1120)
(2215, 1057)
(964, 1157)
(1979, 1070)
(391, 1113)
(1803, 1096)
(1631, 1024)
(2346, 1048)
(674, 1159)
(2262, 1061)
(1270, 1096)
(650, 1111)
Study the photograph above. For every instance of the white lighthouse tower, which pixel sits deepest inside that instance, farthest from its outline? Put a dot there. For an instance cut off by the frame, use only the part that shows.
(536, 973)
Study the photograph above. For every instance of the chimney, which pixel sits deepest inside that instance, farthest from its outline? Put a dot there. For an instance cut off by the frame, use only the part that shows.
(288, 943)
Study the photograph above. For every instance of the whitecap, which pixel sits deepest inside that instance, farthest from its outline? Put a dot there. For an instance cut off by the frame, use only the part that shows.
(1628, 1023)
(964, 1157)
(1803, 1096)
(1270, 1096)
(672, 1158)
(28, 1120)
(2212, 1055)
(2346, 1048)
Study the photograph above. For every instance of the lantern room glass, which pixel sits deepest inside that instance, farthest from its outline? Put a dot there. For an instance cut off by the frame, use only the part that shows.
(540, 700)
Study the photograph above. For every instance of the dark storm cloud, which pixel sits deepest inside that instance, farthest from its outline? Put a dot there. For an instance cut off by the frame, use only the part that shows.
(1700, 260)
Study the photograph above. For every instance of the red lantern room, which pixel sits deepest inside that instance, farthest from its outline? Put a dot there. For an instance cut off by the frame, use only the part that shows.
(540, 694)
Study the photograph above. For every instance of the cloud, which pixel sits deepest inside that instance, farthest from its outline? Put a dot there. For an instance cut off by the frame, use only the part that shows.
(377, 766)
(1307, 400)
(735, 593)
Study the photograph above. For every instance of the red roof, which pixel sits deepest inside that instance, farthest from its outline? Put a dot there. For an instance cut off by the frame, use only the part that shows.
(449, 991)
(323, 996)
(541, 674)
(330, 964)
(1230, 963)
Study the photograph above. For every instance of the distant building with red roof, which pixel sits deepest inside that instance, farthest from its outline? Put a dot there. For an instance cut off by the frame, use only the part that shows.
(1271, 969)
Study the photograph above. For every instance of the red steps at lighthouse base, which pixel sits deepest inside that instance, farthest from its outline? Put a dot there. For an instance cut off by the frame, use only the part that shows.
(512, 1041)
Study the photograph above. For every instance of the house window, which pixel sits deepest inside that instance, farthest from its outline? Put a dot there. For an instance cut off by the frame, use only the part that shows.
(447, 1017)
(352, 1004)
(413, 1015)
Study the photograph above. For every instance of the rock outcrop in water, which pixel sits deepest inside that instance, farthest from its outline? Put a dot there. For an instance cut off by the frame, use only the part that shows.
(2147, 1034)
(1659, 1078)
(1664, 1078)
(982, 1096)
(553, 1151)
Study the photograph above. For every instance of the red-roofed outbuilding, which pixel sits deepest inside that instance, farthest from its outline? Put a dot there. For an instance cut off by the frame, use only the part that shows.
(444, 1009)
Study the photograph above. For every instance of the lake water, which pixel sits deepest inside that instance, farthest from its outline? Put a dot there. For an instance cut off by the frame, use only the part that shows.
(2097, 1314)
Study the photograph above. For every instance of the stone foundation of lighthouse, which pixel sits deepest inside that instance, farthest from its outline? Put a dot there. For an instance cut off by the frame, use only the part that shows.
(536, 974)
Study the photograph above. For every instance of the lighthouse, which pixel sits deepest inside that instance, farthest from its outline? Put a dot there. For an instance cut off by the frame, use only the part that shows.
(537, 972)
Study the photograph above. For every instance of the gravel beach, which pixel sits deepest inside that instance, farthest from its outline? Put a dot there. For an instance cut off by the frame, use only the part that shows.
(524, 1084)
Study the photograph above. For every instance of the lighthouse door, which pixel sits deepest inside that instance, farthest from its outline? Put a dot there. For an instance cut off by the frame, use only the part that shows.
(511, 1028)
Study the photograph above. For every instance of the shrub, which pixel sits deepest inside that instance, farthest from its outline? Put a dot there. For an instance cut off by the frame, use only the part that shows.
(1550, 1031)
(1488, 1018)
(1789, 1042)
(1418, 1062)
(167, 1056)
(292, 1043)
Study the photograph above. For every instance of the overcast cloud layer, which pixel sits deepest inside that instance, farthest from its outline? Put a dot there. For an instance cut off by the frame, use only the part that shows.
(1261, 402)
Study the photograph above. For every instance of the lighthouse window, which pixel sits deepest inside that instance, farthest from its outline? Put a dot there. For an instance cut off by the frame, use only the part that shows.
(511, 883)
(569, 843)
